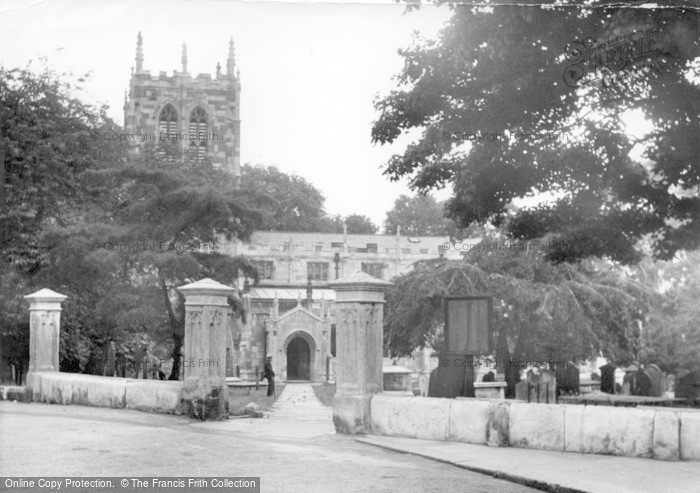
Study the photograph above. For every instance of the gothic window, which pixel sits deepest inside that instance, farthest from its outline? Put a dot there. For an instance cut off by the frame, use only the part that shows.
(265, 268)
(317, 271)
(198, 133)
(167, 121)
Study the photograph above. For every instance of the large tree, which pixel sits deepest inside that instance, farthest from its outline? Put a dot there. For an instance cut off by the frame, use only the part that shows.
(287, 202)
(506, 72)
(419, 215)
(565, 312)
(169, 216)
(46, 142)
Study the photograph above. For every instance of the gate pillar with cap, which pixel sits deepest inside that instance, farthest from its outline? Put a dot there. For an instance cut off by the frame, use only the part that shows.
(359, 341)
(204, 393)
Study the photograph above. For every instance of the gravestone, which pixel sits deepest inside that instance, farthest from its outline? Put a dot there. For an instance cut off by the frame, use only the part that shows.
(642, 384)
(607, 378)
(688, 385)
(670, 384)
(139, 363)
(568, 379)
(522, 391)
(657, 380)
(541, 388)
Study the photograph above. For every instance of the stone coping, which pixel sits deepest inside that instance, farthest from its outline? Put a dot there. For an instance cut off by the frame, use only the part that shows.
(657, 433)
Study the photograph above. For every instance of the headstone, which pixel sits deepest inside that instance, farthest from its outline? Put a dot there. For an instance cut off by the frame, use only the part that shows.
(657, 380)
(522, 391)
(607, 379)
(688, 385)
(670, 384)
(643, 383)
(568, 378)
(110, 365)
(629, 384)
(538, 387)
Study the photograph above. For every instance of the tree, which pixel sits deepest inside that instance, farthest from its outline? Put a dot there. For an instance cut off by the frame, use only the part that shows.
(542, 311)
(671, 335)
(420, 215)
(356, 224)
(499, 72)
(45, 143)
(287, 202)
(169, 213)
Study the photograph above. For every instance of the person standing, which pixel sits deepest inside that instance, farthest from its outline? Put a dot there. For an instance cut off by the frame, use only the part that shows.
(269, 374)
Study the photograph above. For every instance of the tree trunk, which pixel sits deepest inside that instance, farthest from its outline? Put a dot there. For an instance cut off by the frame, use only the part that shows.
(177, 340)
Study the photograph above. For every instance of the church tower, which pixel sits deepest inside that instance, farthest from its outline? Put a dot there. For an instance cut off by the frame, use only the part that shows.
(201, 114)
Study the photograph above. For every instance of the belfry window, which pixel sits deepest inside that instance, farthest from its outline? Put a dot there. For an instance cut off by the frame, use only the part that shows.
(167, 122)
(198, 133)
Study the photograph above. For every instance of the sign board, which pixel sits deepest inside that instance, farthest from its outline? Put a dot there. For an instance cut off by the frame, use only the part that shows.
(468, 327)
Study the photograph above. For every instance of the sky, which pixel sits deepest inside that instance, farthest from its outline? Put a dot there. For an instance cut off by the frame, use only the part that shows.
(310, 73)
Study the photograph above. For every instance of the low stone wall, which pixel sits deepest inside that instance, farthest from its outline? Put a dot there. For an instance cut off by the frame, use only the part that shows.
(161, 396)
(665, 434)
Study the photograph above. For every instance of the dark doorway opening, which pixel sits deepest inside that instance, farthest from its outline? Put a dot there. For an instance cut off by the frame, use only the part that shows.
(298, 360)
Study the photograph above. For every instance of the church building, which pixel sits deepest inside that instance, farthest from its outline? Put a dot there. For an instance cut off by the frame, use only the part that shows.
(290, 311)
(201, 114)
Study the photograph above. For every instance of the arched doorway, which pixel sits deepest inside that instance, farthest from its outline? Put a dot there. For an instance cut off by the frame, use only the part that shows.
(298, 359)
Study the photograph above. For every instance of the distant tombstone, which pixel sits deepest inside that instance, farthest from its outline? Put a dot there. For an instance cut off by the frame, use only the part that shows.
(643, 384)
(670, 383)
(110, 361)
(522, 391)
(607, 378)
(445, 383)
(540, 388)
(568, 379)
(139, 365)
(657, 380)
(688, 385)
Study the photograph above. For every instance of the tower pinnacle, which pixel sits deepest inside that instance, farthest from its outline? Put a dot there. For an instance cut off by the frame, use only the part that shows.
(231, 62)
(139, 53)
(184, 58)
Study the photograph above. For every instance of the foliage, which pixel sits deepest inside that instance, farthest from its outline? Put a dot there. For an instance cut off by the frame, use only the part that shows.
(288, 202)
(499, 70)
(356, 224)
(419, 215)
(565, 312)
(45, 143)
(671, 336)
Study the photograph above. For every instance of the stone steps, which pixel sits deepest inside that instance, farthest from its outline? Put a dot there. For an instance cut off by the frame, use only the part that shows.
(299, 402)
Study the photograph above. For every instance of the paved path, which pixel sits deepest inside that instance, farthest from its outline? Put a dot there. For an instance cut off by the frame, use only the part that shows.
(53, 440)
(555, 471)
(299, 402)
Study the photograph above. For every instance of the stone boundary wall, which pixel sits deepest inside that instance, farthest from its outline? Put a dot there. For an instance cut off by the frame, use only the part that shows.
(160, 396)
(664, 434)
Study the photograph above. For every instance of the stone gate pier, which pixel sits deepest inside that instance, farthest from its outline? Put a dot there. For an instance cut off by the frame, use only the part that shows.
(359, 342)
(204, 393)
(44, 335)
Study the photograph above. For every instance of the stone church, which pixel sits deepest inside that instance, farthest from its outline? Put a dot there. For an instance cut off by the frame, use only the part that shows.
(290, 310)
(202, 113)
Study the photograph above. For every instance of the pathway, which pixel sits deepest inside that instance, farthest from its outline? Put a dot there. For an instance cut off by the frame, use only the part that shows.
(299, 402)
